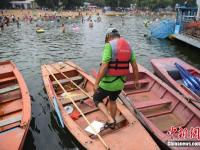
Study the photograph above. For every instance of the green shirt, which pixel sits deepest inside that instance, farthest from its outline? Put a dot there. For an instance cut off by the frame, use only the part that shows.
(118, 84)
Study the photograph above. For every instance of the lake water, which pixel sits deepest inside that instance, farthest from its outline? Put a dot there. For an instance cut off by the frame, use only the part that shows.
(84, 47)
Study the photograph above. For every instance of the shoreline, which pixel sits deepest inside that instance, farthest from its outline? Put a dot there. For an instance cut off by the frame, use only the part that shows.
(37, 13)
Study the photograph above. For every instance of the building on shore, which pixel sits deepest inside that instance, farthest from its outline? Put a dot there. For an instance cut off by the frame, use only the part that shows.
(26, 4)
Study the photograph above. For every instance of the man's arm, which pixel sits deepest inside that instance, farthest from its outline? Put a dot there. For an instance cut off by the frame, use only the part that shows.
(101, 73)
(135, 74)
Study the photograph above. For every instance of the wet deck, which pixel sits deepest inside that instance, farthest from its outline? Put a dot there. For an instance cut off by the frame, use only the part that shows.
(187, 39)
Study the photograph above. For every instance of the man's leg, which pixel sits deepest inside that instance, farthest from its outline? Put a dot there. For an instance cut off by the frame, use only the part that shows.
(113, 109)
(98, 97)
(113, 105)
(103, 108)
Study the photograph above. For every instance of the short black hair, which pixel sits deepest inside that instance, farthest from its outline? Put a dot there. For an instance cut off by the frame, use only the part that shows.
(114, 33)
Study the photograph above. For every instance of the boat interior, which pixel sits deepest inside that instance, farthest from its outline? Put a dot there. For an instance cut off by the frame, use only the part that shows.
(10, 98)
(174, 74)
(86, 104)
(158, 105)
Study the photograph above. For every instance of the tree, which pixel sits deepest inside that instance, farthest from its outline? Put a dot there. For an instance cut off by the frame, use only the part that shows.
(97, 2)
(4, 3)
(119, 3)
(47, 3)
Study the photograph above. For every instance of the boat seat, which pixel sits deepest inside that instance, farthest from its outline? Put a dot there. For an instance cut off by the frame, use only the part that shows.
(11, 107)
(63, 81)
(9, 89)
(10, 120)
(77, 97)
(151, 103)
(7, 79)
(141, 81)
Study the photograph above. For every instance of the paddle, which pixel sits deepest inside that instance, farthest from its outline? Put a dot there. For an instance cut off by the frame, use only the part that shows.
(55, 103)
(190, 99)
(129, 104)
(190, 91)
(106, 146)
(73, 67)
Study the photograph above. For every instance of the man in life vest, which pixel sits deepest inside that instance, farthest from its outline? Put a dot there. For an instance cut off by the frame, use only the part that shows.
(117, 56)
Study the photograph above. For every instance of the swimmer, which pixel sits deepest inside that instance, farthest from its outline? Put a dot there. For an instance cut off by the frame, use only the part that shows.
(37, 27)
(18, 24)
(82, 19)
(1, 25)
(91, 24)
(63, 28)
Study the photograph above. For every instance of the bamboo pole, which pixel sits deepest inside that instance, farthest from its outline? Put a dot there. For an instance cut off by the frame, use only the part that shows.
(73, 82)
(100, 138)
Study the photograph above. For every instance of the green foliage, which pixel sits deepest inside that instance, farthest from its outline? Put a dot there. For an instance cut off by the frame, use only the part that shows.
(48, 3)
(55, 3)
(72, 3)
(97, 2)
(119, 3)
(113, 3)
(161, 3)
(4, 3)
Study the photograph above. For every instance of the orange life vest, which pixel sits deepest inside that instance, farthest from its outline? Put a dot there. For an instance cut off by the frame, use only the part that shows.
(121, 56)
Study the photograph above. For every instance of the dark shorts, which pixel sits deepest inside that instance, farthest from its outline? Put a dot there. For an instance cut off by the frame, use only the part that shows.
(100, 94)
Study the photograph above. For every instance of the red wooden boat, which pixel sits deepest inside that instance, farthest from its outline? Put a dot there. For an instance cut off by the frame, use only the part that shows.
(165, 68)
(128, 127)
(15, 107)
(160, 108)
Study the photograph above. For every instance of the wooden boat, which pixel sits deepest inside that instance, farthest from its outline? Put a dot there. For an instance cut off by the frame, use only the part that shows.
(15, 107)
(160, 108)
(127, 124)
(165, 68)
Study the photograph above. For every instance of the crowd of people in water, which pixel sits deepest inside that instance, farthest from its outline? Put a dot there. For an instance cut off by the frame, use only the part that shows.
(53, 16)
(28, 17)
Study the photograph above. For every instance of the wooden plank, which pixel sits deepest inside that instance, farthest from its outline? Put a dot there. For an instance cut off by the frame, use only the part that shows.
(10, 107)
(143, 81)
(78, 97)
(188, 39)
(13, 95)
(63, 81)
(10, 126)
(10, 120)
(7, 79)
(9, 89)
(151, 103)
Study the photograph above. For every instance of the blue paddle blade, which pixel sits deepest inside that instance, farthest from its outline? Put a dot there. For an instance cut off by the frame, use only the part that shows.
(58, 111)
(189, 80)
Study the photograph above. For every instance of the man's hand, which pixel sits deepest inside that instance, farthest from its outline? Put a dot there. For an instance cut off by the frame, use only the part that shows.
(100, 75)
(135, 75)
(137, 85)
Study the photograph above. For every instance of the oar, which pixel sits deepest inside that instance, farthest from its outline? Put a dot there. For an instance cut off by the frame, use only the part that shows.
(74, 67)
(55, 103)
(189, 90)
(72, 82)
(106, 146)
(58, 111)
(129, 104)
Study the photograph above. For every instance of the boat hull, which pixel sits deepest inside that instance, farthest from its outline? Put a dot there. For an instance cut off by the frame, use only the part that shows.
(160, 108)
(15, 107)
(127, 123)
(165, 69)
